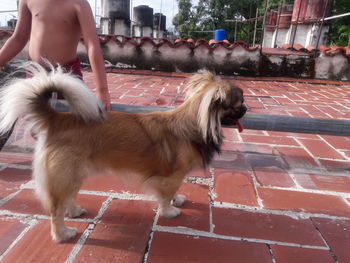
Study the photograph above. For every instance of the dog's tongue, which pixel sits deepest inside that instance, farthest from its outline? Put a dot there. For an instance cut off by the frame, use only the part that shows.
(239, 126)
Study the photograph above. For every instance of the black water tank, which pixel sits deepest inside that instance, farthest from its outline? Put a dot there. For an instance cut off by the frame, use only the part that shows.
(162, 18)
(118, 9)
(143, 15)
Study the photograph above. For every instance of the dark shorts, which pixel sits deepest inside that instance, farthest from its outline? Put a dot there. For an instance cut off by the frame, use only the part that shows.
(72, 67)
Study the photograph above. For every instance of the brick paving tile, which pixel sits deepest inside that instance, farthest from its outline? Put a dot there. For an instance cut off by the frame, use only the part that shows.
(273, 176)
(245, 224)
(195, 212)
(112, 184)
(284, 101)
(303, 202)
(265, 160)
(250, 148)
(297, 113)
(234, 187)
(10, 228)
(26, 202)
(324, 182)
(230, 160)
(230, 134)
(15, 158)
(175, 248)
(320, 149)
(286, 110)
(338, 166)
(296, 157)
(347, 154)
(337, 235)
(26, 142)
(314, 112)
(11, 179)
(338, 142)
(253, 132)
(231, 146)
(294, 135)
(254, 104)
(284, 254)
(37, 245)
(121, 236)
(269, 140)
(332, 112)
(200, 173)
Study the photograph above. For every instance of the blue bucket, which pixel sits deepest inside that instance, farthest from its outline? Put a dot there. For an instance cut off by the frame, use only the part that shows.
(220, 34)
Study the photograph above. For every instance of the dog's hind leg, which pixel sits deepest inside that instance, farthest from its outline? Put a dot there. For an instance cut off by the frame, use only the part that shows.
(59, 231)
(57, 183)
(165, 188)
(61, 200)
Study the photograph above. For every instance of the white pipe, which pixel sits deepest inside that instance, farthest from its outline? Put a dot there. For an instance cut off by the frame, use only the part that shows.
(337, 16)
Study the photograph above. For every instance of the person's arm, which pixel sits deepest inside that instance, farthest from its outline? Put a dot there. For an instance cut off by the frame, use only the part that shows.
(92, 44)
(20, 36)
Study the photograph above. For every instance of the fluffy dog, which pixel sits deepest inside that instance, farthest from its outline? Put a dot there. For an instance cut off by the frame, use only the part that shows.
(159, 147)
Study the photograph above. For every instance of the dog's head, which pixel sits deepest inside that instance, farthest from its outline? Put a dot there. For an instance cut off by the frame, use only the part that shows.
(234, 108)
(220, 102)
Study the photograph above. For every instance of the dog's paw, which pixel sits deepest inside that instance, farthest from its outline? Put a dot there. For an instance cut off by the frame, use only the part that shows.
(170, 211)
(75, 211)
(66, 233)
(179, 200)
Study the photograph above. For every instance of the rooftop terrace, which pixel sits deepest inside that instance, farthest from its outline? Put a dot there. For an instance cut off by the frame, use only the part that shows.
(270, 197)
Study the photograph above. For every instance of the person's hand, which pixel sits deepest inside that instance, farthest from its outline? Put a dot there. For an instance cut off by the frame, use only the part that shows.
(104, 97)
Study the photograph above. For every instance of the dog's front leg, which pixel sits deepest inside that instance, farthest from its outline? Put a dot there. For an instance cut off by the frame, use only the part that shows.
(165, 188)
(178, 200)
(75, 211)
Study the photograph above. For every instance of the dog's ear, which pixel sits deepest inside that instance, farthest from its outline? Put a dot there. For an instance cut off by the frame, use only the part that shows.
(209, 113)
(220, 93)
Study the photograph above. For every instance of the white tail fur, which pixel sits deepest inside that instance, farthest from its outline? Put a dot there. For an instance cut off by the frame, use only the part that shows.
(18, 96)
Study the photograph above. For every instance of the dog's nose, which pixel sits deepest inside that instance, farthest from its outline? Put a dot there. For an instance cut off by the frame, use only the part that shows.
(244, 109)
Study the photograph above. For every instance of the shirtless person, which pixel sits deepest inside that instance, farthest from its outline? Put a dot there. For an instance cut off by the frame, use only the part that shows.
(54, 28)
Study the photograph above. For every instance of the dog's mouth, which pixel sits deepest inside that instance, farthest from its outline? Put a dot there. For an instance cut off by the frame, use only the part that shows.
(234, 119)
(229, 121)
(239, 126)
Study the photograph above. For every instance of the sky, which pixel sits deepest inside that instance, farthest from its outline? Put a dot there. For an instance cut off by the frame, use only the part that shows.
(167, 7)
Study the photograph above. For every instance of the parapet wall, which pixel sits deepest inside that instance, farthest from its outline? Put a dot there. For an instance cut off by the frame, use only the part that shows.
(222, 57)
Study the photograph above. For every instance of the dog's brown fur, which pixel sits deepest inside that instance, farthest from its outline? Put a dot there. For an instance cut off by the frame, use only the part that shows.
(160, 147)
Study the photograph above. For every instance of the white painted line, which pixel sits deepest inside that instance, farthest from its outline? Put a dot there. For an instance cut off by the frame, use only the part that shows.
(198, 233)
(8, 197)
(78, 246)
(292, 214)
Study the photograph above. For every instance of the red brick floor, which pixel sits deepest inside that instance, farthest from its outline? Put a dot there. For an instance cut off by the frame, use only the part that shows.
(269, 197)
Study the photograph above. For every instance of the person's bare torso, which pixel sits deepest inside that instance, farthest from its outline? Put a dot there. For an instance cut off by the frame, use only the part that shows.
(55, 31)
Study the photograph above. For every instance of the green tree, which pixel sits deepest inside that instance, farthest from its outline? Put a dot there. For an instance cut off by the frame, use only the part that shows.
(200, 21)
(185, 20)
(339, 32)
(221, 14)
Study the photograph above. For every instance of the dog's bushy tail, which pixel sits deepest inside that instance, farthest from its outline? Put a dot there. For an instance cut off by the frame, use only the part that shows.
(31, 96)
